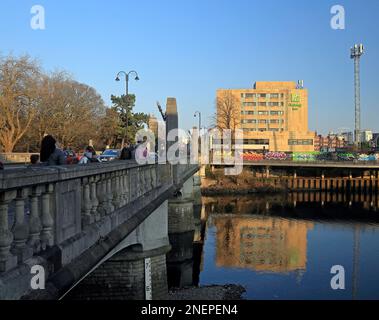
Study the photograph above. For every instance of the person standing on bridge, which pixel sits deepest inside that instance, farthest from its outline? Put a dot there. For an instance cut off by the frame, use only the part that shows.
(127, 152)
(51, 155)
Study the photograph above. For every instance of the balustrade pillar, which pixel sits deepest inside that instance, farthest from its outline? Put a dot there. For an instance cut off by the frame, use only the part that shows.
(87, 217)
(94, 200)
(121, 182)
(7, 260)
(126, 193)
(47, 238)
(148, 179)
(109, 194)
(133, 185)
(116, 190)
(101, 189)
(153, 177)
(20, 229)
(140, 183)
(35, 225)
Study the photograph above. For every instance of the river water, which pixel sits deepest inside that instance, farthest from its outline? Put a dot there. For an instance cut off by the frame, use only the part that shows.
(284, 246)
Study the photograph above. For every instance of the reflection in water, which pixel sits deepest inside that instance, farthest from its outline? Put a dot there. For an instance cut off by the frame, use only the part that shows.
(261, 243)
(283, 246)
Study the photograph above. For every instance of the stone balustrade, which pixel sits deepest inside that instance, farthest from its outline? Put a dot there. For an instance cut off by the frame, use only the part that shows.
(70, 207)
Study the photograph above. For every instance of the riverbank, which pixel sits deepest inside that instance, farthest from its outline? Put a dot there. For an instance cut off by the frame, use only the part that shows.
(246, 183)
(214, 292)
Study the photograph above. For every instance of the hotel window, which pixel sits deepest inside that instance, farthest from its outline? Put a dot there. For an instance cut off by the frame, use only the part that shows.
(248, 104)
(276, 113)
(249, 95)
(274, 95)
(249, 121)
(274, 129)
(263, 113)
(263, 121)
(300, 142)
(256, 141)
(247, 112)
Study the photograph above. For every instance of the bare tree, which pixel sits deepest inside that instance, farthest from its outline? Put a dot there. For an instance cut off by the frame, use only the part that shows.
(69, 110)
(228, 111)
(109, 128)
(19, 85)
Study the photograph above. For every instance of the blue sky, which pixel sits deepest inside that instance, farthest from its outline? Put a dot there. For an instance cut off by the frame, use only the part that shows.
(189, 49)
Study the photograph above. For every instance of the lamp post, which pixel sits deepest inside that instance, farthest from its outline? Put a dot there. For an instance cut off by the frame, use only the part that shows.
(198, 113)
(127, 75)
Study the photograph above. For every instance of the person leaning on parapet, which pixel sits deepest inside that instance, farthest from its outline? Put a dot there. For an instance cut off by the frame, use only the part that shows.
(127, 152)
(141, 152)
(1, 166)
(89, 156)
(51, 155)
(34, 161)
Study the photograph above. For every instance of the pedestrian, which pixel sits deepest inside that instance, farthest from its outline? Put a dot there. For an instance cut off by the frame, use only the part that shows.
(89, 156)
(50, 154)
(126, 152)
(92, 150)
(34, 159)
(141, 152)
(1, 166)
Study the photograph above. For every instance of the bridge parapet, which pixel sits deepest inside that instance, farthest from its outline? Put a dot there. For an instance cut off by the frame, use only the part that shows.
(69, 218)
(46, 206)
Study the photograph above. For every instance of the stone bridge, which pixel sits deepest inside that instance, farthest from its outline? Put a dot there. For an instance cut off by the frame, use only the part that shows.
(103, 228)
(71, 220)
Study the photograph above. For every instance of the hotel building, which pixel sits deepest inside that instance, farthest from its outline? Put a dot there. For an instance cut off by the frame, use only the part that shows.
(272, 115)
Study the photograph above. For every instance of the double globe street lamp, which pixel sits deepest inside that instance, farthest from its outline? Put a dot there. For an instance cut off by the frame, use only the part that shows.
(127, 76)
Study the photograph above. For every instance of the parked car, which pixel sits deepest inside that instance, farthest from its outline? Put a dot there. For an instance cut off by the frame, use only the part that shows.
(109, 155)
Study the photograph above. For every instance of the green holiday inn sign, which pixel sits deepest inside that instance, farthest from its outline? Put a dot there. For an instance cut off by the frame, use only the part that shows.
(295, 101)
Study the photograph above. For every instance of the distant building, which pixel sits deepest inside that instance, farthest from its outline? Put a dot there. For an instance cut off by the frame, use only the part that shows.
(367, 135)
(348, 137)
(273, 116)
(375, 140)
(153, 124)
(330, 143)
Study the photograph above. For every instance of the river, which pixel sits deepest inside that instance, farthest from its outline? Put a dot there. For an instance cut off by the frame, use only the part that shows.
(285, 246)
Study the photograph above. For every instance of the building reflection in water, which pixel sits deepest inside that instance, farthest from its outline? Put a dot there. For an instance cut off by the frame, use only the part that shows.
(261, 243)
(266, 233)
